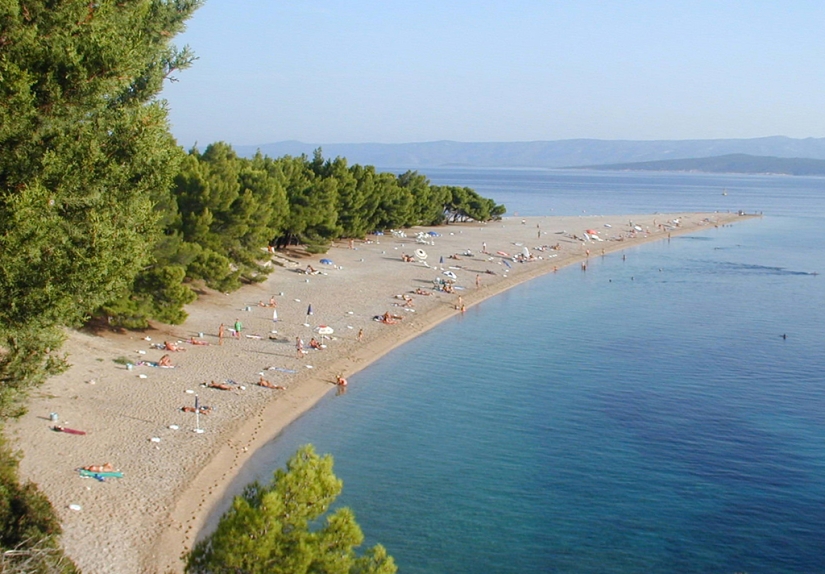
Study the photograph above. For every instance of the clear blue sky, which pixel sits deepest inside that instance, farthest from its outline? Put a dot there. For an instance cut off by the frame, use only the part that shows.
(322, 71)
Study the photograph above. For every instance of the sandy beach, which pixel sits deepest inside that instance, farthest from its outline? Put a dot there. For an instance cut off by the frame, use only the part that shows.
(172, 475)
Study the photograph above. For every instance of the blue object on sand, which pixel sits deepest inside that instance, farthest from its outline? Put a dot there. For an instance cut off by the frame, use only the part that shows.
(326, 261)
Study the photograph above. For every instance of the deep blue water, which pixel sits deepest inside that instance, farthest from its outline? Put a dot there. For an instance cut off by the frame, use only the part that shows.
(644, 416)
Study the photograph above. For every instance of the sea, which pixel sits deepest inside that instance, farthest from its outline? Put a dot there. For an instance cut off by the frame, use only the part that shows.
(661, 412)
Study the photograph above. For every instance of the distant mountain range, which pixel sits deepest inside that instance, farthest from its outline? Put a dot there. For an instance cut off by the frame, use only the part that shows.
(731, 163)
(547, 154)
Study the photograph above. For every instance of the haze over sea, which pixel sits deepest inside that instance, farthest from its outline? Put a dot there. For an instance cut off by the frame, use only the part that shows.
(644, 416)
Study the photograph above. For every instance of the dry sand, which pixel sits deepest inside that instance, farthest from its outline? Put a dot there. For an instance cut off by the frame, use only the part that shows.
(174, 476)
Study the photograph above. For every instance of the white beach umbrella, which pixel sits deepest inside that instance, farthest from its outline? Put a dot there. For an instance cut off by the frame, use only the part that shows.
(421, 254)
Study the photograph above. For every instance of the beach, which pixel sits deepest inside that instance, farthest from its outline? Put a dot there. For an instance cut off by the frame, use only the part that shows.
(173, 477)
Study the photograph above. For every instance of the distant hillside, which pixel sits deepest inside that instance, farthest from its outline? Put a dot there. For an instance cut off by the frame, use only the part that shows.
(544, 154)
(731, 163)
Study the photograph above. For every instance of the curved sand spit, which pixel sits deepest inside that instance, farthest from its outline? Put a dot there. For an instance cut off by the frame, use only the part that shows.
(173, 477)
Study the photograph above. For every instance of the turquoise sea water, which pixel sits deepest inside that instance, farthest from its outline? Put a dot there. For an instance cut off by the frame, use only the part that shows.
(644, 416)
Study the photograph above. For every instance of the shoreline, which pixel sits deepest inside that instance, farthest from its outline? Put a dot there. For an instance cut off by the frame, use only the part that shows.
(173, 485)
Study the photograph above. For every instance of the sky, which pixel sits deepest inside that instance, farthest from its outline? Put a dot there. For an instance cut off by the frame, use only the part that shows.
(391, 71)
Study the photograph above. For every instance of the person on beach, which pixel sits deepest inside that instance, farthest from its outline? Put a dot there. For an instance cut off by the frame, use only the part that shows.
(165, 361)
(221, 331)
(478, 281)
(299, 347)
(172, 347)
(262, 382)
(203, 409)
(460, 303)
(238, 327)
(105, 467)
(340, 381)
(360, 334)
(219, 386)
(484, 247)
(314, 344)
(194, 341)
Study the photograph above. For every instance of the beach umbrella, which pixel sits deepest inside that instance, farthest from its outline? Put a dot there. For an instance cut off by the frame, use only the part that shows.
(325, 331)
(309, 312)
(525, 251)
(197, 428)
(421, 254)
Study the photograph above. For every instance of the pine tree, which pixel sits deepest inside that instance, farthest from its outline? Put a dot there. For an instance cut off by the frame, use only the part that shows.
(83, 144)
(267, 530)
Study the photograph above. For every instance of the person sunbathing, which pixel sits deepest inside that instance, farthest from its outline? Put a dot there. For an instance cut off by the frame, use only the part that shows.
(204, 410)
(220, 386)
(310, 270)
(389, 319)
(314, 344)
(269, 385)
(420, 291)
(105, 467)
(165, 361)
(194, 341)
(172, 347)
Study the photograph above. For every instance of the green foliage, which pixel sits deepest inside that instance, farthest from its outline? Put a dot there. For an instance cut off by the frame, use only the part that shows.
(83, 147)
(29, 526)
(30, 356)
(224, 210)
(273, 529)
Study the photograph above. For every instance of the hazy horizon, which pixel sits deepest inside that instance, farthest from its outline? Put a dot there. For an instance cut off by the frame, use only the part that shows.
(392, 72)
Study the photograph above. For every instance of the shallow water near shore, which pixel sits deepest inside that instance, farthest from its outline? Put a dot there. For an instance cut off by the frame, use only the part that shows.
(645, 415)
